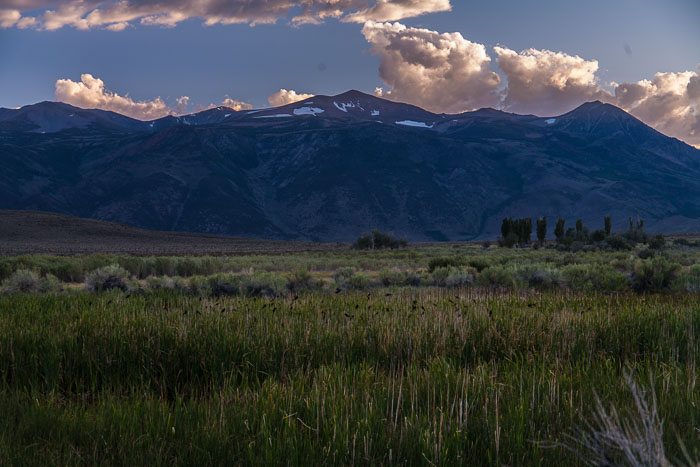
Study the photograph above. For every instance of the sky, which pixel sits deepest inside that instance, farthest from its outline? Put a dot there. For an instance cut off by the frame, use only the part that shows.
(150, 58)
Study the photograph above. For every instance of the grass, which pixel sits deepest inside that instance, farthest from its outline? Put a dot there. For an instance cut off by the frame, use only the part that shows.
(350, 358)
(483, 378)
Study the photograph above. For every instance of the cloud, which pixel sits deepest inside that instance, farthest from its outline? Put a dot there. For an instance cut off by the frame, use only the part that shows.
(235, 105)
(547, 83)
(439, 72)
(90, 93)
(116, 15)
(284, 97)
(670, 102)
(386, 10)
(9, 18)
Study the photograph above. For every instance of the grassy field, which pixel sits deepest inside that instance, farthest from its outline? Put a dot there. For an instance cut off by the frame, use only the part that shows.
(439, 355)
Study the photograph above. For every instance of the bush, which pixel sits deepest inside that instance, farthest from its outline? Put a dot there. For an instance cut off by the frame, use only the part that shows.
(646, 253)
(654, 275)
(343, 275)
(539, 277)
(22, 281)
(460, 277)
(267, 284)
(359, 282)
(594, 277)
(446, 262)
(688, 281)
(390, 277)
(166, 283)
(26, 281)
(300, 279)
(508, 241)
(479, 263)
(619, 242)
(657, 242)
(598, 235)
(107, 277)
(377, 240)
(496, 276)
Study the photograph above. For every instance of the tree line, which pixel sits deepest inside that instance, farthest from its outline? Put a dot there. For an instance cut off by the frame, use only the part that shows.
(518, 232)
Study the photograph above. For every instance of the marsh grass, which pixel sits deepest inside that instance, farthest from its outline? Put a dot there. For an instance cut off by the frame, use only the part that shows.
(460, 376)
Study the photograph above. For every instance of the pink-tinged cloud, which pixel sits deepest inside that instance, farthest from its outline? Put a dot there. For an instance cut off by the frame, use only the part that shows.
(439, 72)
(90, 93)
(116, 15)
(543, 82)
(286, 96)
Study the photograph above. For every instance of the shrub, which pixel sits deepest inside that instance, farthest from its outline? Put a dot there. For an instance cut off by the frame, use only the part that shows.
(343, 275)
(389, 277)
(460, 277)
(300, 279)
(199, 285)
(166, 283)
(439, 276)
(496, 276)
(107, 277)
(539, 277)
(657, 242)
(646, 253)
(508, 241)
(26, 281)
(654, 275)
(359, 282)
(688, 281)
(594, 277)
(377, 240)
(223, 284)
(686, 242)
(598, 235)
(22, 281)
(268, 284)
(446, 262)
(619, 242)
(479, 263)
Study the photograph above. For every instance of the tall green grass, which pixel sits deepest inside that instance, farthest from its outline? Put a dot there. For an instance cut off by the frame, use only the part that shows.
(392, 376)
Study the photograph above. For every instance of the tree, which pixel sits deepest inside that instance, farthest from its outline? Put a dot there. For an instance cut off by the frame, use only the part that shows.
(559, 229)
(608, 226)
(579, 226)
(506, 227)
(542, 229)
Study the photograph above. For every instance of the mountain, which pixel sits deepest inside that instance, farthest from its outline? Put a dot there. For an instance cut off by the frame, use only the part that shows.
(330, 167)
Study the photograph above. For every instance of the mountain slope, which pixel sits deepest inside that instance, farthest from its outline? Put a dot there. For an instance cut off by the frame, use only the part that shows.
(331, 167)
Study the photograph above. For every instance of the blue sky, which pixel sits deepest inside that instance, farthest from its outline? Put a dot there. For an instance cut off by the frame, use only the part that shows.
(207, 63)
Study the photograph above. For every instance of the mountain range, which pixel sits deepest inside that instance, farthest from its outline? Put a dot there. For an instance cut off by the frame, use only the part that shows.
(331, 167)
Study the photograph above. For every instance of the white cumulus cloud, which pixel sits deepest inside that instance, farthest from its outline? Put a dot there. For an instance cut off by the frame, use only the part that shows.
(442, 72)
(90, 93)
(670, 102)
(286, 96)
(544, 82)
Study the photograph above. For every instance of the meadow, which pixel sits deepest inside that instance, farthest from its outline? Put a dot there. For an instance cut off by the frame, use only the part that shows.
(431, 355)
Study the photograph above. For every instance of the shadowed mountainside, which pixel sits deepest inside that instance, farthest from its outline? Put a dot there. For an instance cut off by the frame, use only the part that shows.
(330, 167)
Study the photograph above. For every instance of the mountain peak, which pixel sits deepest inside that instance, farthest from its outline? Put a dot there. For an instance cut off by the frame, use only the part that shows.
(353, 94)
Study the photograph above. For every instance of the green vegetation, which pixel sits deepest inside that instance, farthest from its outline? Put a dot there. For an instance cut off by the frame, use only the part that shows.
(376, 240)
(448, 355)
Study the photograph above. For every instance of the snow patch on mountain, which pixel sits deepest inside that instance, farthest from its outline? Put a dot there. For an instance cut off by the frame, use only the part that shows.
(549, 121)
(274, 116)
(308, 111)
(375, 113)
(414, 124)
(344, 106)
